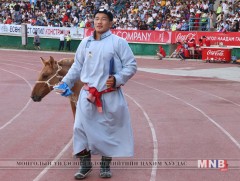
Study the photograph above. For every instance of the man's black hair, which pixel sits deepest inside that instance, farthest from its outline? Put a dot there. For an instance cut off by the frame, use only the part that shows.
(104, 11)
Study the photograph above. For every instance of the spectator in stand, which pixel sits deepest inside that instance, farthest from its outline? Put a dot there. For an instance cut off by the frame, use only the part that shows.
(75, 20)
(8, 20)
(225, 7)
(161, 53)
(235, 26)
(185, 26)
(158, 15)
(65, 18)
(220, 26)
(204, 22)
(211, 18)
(231, 12)
(143, 25)
(211, 5)
(197, 20)
(219, 9)
(82, 23)
(226, 26)
(220, 17)
(17, 8)
(179, 26)
(174, 26)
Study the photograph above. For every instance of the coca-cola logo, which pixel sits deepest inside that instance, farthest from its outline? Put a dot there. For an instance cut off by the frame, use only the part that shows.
(215, 53)
(181, 37)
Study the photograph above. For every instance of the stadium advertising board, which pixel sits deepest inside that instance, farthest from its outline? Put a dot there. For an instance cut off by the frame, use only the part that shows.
(132, 36)
(229, 38)
(138, 36)
(44, 31)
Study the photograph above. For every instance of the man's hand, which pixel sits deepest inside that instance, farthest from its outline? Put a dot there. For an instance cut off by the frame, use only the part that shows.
(111, 81)
(63, 89)
(60, 88)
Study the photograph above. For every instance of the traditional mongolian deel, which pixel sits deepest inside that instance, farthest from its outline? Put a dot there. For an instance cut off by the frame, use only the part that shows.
(108, 133)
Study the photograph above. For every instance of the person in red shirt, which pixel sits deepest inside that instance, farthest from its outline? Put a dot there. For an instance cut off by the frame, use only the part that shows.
(192, 47)
(8, 20)
(199, 49)
(178, 52)
(200, 42)
(65, 18)
(186, 50)
(206, 42)
(88, 24)
(161, 53)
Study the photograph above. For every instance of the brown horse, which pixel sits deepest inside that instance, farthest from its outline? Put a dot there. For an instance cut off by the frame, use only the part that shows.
(51, 74)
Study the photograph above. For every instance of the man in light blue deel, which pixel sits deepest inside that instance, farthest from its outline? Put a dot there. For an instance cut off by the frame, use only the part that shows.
(104, 62)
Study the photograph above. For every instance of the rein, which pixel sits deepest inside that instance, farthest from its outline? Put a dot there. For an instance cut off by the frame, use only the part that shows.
(48, 81)
(73, 99)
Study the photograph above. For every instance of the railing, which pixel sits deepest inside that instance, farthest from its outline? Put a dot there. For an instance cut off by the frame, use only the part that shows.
(199, 24)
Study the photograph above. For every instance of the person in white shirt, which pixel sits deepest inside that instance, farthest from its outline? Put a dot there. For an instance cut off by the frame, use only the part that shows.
(225, 7)
(150, 19)
(61, 42)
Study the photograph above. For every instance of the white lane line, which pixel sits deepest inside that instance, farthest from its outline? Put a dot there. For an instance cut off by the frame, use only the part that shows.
(17, 115)
(186, 78)
(39, 52)
(24, 108)
(219, 80)
(199, 110)
(20, 62)
(219, 97)
(154, 137)
(45, 170)
(184, 68)
(20, 67)
(12, 85)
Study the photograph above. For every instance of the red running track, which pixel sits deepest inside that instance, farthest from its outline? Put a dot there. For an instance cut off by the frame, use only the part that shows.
(174, 118)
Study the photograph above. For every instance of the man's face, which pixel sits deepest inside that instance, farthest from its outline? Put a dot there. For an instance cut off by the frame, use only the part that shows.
(102, 23)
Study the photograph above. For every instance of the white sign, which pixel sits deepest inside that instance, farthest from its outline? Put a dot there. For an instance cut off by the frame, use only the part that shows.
(43, 31)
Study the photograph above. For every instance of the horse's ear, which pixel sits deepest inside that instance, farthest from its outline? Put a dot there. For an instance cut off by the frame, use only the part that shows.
(43, 61)
(51, 60)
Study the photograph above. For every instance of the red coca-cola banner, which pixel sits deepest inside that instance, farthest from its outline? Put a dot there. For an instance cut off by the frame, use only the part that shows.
(229, 38)
(140, 35)
(216, 54)
(219, 53)
(145, 36)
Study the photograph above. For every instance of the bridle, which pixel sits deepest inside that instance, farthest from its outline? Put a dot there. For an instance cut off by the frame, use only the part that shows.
(48, 81)
(72, 97)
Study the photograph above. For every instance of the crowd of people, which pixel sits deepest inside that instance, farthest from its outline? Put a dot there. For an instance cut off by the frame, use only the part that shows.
(188, 49)
(170, 15)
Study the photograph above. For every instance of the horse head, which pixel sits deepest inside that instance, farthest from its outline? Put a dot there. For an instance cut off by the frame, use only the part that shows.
(48, 77)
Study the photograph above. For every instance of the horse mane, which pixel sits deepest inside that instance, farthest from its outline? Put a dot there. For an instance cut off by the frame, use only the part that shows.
(66, 62)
